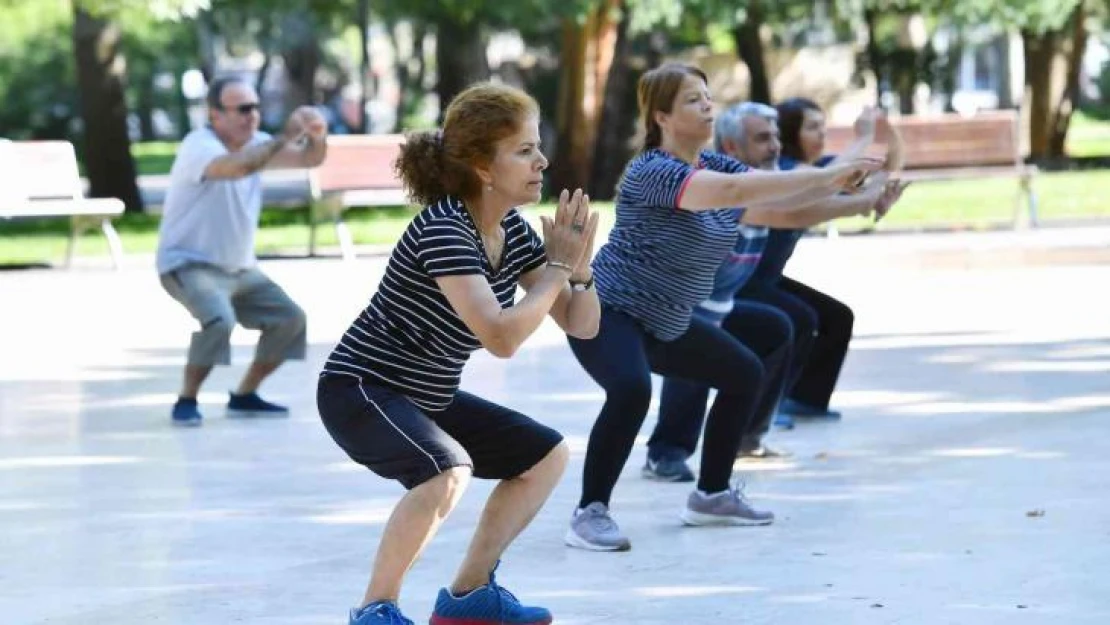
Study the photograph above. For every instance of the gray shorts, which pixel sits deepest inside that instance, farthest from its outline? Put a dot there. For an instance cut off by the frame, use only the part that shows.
(218, 299)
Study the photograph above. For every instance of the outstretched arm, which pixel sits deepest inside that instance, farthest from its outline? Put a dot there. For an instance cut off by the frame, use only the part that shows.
(310, 148)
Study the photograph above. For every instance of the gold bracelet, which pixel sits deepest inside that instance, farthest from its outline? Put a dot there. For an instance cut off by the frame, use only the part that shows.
(559, 265)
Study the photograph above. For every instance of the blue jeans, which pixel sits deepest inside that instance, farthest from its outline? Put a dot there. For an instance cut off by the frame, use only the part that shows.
(766, 335)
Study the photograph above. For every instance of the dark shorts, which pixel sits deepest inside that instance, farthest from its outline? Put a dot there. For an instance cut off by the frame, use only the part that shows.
(384, 431)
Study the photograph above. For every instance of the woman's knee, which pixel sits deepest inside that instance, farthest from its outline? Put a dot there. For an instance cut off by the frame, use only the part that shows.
(744, 374)
(780, 328)
(843, 317)
(445, 488)
(552, 465)
(629, 394)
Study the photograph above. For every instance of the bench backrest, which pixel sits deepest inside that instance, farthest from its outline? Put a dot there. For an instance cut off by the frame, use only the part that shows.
(358, 162)
(39, 170)
(950, 140)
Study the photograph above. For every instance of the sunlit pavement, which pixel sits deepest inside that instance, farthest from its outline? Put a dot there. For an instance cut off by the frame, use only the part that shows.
(967, 482)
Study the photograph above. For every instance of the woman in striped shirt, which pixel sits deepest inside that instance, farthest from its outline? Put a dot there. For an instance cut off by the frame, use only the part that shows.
(389, 393)
(678, 216)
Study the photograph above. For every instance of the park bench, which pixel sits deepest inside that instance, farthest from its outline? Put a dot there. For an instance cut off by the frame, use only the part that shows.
(951, 146)
(358, 171)
(41, 180)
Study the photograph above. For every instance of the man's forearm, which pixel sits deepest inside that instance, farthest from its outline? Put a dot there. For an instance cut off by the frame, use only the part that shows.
(255, 158)
(246, 161)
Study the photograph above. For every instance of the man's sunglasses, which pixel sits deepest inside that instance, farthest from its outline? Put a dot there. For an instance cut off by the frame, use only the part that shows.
(243, 109)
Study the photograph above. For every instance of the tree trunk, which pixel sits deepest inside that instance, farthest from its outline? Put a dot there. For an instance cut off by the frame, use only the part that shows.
(587, 56)
(460, 59)
(267, 61)
(1040, 54)
(364, 65)
(1073, 50)
(658, 45)
(1052, 66)
(749, 46)
(100, 81)
(206, 44)
(874, 55)
(617, 123)
(950, 75)
(302, 59)
(145, 110)
(567, 170)
(903, 70)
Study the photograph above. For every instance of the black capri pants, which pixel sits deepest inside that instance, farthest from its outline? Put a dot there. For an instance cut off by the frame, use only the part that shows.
(387, 433)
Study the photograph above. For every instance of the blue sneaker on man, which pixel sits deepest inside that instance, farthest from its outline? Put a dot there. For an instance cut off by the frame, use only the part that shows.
(251, 405)
(186, 413)
(486, 605)
(379, 613)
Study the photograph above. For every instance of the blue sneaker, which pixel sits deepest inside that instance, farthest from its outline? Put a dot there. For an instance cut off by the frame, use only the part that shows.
(784, 421)
(807, 411)
(379, 613)
(251, 405)
(185, 413)
(486, 605)
(667, 469)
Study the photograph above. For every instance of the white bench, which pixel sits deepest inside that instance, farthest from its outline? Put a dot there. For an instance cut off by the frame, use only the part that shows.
(41, 180)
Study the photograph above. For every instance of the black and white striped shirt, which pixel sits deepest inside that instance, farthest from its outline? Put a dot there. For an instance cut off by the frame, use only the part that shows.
(660, 261)
(410, 338)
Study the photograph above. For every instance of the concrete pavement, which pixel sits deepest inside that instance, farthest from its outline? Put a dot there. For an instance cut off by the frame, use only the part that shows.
(966, 484)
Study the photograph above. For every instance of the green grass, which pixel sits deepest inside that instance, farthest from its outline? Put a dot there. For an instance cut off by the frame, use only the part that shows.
(982, 203)
(970, 204)
(154, 157)
(1088, 136)
(151, 157)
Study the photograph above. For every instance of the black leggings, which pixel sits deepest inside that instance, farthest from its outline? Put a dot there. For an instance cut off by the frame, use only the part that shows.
(766, 331)
(822, 331)
(621, 358)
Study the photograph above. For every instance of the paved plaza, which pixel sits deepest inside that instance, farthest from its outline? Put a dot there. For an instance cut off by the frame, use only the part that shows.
(967, 484)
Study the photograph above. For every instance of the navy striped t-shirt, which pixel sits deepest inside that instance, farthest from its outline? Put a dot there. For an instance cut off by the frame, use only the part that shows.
(660, 260)
(409, 338)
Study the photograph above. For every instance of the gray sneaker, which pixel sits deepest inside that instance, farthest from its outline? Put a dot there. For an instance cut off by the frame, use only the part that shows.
(727, 508)
(593, 529)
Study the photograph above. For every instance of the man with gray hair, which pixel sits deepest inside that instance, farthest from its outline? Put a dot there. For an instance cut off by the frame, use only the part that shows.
(206, 258)
(748, 132)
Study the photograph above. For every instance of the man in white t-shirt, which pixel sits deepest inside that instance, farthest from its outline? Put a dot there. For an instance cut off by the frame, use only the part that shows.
(206, 255)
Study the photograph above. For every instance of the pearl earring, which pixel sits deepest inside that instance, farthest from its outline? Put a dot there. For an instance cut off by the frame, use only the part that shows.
(489, 187)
